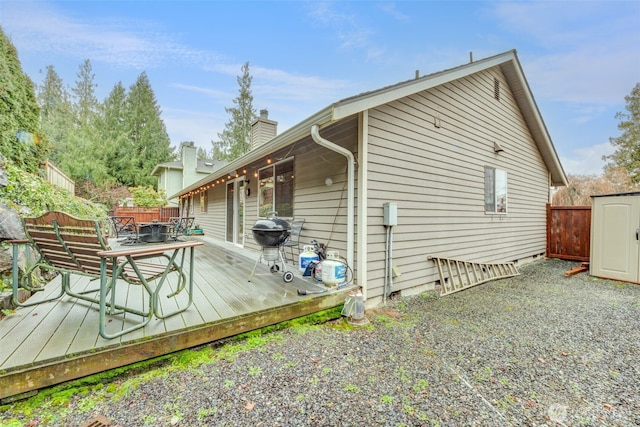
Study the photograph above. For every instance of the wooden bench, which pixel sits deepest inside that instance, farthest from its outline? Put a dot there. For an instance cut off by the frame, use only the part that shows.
(69, 245)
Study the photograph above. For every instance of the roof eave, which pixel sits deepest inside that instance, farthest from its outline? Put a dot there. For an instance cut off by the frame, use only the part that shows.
(286, 138)
(517, 80)
(356, 104)
(156, 169)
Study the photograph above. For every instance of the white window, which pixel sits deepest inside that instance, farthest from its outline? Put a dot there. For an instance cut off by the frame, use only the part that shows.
(275, 184)
(495, 190)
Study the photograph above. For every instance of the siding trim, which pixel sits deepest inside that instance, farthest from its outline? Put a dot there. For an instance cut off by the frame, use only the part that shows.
(363, 202)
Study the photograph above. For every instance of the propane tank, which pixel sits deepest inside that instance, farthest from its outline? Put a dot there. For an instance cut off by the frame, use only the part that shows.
(333, 269)
(306, 257)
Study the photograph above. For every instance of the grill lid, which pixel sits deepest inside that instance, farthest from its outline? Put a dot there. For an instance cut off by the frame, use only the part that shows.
(271, 231)
(271, 223)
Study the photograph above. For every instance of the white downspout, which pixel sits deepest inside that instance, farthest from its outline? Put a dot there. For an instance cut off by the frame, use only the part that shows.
(315, 134)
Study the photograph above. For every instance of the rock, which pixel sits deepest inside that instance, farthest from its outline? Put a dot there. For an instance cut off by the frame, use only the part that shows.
(10, 224)
(6, 260)
(4, 180)
(6, 299)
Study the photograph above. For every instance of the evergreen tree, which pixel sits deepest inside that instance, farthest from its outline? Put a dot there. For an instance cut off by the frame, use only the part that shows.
(235, 139)
(52, 94)
(112, 127)
(86, 104)
(627, 152)
(148, 143)
(201, 153)
(83, 153)
(56, 118)
(20, 135)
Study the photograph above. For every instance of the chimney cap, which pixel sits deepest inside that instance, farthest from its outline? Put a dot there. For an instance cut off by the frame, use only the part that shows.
(264, 113)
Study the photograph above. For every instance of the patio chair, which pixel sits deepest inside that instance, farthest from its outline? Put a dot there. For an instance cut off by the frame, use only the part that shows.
(293, 241)
(179, 226)
(125, 227)
(69, 245)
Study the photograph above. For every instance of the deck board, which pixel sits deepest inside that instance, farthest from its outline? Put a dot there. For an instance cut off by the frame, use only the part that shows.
(58, 341)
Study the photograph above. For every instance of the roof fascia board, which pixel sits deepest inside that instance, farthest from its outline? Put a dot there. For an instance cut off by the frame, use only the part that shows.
(156, 169)
(367, 101)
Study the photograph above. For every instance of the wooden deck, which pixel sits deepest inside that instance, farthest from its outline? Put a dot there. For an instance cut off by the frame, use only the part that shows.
(58, 341)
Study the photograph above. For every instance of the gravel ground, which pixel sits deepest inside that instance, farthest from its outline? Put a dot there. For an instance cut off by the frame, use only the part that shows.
(539, 349)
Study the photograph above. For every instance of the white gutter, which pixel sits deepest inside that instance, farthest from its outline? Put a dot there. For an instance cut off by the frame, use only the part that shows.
(315, 134)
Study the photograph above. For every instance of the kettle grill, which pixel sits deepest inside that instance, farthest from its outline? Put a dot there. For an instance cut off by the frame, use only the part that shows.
(270, 233)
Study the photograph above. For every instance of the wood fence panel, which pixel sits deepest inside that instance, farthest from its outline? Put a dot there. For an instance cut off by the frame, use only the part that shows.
(569, 232)
(143, 214)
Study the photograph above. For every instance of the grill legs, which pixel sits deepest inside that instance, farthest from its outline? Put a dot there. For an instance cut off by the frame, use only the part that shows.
(278, 259)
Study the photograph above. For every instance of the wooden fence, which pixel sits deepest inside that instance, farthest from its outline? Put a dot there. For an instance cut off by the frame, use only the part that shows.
(569, 232)
(141, 214)
(56, 177)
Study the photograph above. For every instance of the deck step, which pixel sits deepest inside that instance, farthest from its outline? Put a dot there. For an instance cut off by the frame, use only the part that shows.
(457, 275)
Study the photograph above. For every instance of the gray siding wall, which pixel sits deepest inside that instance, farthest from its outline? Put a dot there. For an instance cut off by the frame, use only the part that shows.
(436, 175)
(323, 207)
(212, 222)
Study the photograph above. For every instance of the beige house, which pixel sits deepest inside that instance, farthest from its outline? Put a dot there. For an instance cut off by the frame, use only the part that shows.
(174, 176)
(462, 154)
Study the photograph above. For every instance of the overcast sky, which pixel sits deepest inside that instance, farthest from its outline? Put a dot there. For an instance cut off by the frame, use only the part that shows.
(581, 58)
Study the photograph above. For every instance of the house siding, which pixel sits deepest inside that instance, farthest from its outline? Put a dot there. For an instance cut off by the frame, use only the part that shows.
(436, 175)
(323, 207)
(171, 181)
(212, 221)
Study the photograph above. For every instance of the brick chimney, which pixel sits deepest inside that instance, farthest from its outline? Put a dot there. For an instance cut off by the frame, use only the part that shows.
(262, 129)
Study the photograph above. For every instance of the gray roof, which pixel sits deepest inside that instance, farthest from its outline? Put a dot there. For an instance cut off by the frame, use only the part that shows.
(203, 166)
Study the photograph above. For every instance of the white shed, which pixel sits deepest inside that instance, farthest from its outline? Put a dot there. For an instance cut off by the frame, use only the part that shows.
(615, 225)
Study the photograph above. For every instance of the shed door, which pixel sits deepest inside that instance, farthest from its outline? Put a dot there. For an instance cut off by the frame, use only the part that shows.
(614, 238)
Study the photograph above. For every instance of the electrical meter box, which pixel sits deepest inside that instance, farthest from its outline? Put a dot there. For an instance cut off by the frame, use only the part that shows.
(389, 214)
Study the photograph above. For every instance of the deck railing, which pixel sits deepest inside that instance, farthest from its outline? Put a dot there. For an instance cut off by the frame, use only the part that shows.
(56, 177)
